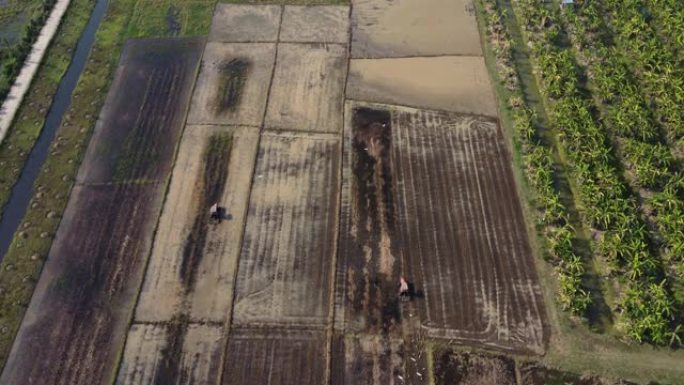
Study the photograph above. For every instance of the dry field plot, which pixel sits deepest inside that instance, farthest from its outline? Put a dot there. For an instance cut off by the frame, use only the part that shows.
(193, 261)
(286, 263)
(236, 23)
(455, 83)
(308, 86)
(323, 24)
(403, 28)
(431, 195)
(151, 357)
(75, 325)
(233, 84)
(292, 357)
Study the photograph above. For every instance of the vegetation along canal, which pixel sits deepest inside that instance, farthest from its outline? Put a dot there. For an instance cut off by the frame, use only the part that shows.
(21, 193)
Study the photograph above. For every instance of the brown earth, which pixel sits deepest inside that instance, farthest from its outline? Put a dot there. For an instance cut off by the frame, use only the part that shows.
(474, 369)
(431, 196)
(75, 326)
(285, 267)
(369, 359)
(291, 357)
(163, 293)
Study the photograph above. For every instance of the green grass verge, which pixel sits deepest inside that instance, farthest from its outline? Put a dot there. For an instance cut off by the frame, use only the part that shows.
(21, 267)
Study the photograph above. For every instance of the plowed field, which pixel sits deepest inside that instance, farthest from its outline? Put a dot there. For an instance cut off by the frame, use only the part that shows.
(292, 357)
(75, 326)
(431, 196)
(285, 266)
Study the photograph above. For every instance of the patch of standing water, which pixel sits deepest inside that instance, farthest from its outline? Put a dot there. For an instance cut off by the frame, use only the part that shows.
(15, 209)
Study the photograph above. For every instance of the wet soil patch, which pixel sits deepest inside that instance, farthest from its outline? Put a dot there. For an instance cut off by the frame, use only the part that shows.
(473, 369)
(232, 77)
(209, 191)
(369, 247)
(367, 360)
(169, 367)
(144, 113)
(285, 357)
(85, 295)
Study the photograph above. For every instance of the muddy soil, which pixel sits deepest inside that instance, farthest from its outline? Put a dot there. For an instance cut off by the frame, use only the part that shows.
(370, 259)
(455, 83)
(369, 359)
(193, 260)
(154, 356)
(139, 126)
(75, 325)
(404, 28)
(233, 74)
(232, 87)
(473, 369)
(285, 266)
(468, 262)
(322, 24)
(291, 357)
(208, 191)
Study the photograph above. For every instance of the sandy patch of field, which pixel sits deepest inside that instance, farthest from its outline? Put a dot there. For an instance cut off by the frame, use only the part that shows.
(307, 90)
(292, 357)
(456, 83)
(469, 262)
(403, 28)
(207, 251)
(150, 353)
(236, 23)
(321, 24)
(285, 264)
(233, 84)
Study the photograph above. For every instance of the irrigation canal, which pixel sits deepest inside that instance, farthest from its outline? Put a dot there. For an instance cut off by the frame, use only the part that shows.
(15, 208)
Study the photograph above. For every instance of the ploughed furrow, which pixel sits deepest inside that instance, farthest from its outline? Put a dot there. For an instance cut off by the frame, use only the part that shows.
(286, 259)
(290, 357)
(369, 249)
(465, 241)
(155, 358)
(75, 325)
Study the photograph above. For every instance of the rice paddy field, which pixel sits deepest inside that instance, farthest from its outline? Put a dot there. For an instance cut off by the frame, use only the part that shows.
(488, 156)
